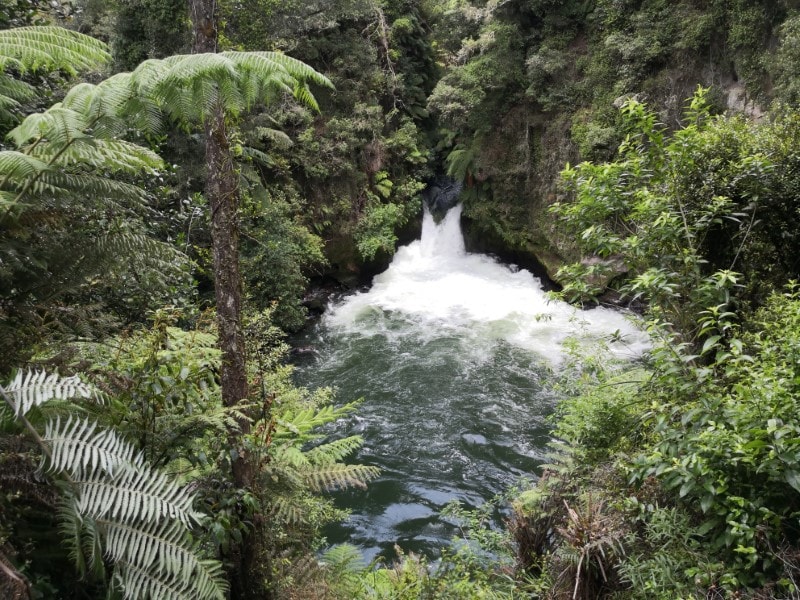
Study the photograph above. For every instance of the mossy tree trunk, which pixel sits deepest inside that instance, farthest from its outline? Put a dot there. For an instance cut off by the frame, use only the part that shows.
(249, 569)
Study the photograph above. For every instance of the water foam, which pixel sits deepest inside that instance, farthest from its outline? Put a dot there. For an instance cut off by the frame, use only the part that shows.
(438, 288)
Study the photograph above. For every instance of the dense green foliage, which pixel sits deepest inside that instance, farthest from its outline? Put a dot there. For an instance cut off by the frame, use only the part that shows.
(534, 85)
(676, 477)
(693, 455)
(360, 168)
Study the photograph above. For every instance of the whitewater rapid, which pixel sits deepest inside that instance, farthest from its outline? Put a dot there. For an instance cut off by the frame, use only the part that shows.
(440, 289)
(455, 357)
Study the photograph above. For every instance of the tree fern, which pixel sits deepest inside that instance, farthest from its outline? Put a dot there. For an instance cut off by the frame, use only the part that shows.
(42, 49)
(115, 504)
(296, 469)
(50, 48)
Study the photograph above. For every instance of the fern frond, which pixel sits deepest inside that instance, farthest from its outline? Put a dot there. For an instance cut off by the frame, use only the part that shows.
(189, 87)
(285, 509)
(139, 583)
(276, 137)
(132, 495)
(143, 250)
(344, 558)
(73, 139)
(17, 167)
(113, 105)
(303, 94)
(8, 106)
(257, 156)
(108, 97)
(191, 67)
(79, 448)
(144, 114)
(297, 69)
(115, 505)
(34, 388)
(15, 89)
(290, 455)
(339, 476)
(305, 420)
(12, 93)
(332, 452)
(58, 125)
(221, 419)
(7, 199)
(117, 156)
(50, 48)
(164, 550)
(81, 537)
(89, 187)
(460, 162)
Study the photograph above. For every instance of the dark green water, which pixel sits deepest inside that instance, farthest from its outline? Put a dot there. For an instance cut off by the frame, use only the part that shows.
(454, 356)
(442, 424)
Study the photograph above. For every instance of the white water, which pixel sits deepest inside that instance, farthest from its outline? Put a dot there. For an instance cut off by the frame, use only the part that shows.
(440, 290)
(452, 354)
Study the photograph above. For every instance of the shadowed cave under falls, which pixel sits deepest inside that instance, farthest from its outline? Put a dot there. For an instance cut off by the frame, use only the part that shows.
(453, 354)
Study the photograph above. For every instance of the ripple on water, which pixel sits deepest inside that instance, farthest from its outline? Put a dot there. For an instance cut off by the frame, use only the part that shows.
(452, 354)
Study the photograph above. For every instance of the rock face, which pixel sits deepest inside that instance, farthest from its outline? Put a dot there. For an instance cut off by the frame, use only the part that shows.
(738, 100)
(441, 195)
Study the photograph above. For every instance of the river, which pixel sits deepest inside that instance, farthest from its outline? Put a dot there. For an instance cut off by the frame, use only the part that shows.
(454, 354)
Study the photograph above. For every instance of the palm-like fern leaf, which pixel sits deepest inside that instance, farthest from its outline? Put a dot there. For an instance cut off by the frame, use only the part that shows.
(115, 503)
(50, 48)
(299, 70)
(142, 583)
(32, 388)
(42, 49)
(72, 139)
(17, 167)
(290, 455)
(132, 495)
(326, 454)
(163, 550)
(340, 476)
(303, 421)
(91, 188)
(58, 125)
(79, 448)
(118, 156)
(16, 90)
(187, 87)
(286, 509)
(12, 93)
(275, 137)
(7, 200)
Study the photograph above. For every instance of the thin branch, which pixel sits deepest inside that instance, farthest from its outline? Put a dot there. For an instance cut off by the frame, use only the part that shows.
(744, 240)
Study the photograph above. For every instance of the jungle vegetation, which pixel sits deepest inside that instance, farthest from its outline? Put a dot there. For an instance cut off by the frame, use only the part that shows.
(174, 177)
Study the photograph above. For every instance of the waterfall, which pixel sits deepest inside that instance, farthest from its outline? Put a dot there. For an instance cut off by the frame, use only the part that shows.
(435, 285)
(453, 354)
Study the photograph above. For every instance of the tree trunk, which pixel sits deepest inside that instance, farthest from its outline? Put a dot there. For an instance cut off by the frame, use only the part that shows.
(222, 194)
(248, 575)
